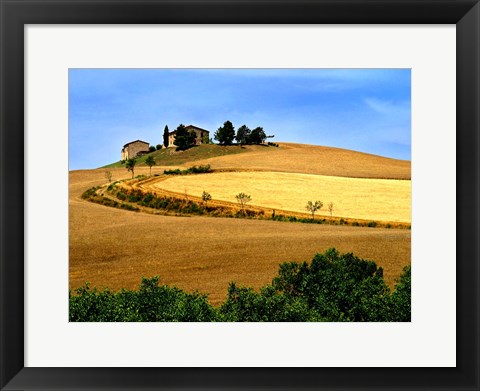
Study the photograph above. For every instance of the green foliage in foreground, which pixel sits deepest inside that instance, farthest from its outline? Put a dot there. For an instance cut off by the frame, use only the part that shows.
(332, 288)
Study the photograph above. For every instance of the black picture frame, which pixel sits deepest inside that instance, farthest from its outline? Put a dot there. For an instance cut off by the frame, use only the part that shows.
(15, 14)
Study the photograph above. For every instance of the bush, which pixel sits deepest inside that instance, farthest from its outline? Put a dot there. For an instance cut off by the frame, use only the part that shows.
(90, 192)
(372, 224)
(401, 297)
(112, 186)
(159, 147)
(151, 148)
(332, 288)
(133, 198)
(121, 196)
(129, 207)
(150, 303)
(191, 170)
(172, 172)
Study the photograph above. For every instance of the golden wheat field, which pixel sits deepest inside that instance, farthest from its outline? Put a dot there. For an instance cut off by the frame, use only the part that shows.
(367, 199)
(114, 248)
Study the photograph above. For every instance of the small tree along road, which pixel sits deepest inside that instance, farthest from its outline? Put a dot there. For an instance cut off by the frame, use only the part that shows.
(130, 166)
(206, 197)
(243, 199)
(312, 207)
(150, 162)
(330, 208)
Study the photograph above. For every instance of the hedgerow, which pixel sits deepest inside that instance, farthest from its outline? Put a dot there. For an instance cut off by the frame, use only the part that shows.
(191, 170)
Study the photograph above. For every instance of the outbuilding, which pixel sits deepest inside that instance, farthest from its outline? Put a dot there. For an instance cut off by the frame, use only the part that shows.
(134, 149)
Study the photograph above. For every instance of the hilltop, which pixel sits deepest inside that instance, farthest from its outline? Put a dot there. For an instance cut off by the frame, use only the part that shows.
(288, 157)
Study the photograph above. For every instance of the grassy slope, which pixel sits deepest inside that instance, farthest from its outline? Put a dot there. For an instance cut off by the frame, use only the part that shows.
(170, 157)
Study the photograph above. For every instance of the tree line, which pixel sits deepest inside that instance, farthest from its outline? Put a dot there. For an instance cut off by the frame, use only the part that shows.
(225, 135)
(244, 136)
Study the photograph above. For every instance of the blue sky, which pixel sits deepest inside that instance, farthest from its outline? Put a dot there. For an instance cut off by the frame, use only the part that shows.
(367, 110)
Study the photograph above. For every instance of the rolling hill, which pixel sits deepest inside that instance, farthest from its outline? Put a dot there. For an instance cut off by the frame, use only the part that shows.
(288, 157)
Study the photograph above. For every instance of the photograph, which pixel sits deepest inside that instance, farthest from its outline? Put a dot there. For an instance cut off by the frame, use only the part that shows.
(231, 195)
(239, 195)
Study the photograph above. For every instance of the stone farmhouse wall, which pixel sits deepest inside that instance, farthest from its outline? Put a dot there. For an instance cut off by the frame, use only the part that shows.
(132, 149)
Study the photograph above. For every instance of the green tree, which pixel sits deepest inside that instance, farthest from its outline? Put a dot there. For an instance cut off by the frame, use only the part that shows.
(243, 135)
(257, 136)
(206, 139)
(312, 207)
(151, 148)
(159, 147)
(150, 161)
(243, 199)
(184, 139)
(401, 297)
(165, 136)
(130, 166)
(206, 197)
(225, 134)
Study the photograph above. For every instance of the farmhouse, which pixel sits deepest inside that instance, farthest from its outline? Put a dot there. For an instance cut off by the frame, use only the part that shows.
(200, 135)
(133, 149)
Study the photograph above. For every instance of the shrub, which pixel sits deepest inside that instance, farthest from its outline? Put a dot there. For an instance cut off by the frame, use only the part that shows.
(112, 186)
(148, 198)
(372, 224)
(173, 172)
(150, 303)
(191, 170)
(129, 207)
(89, 193)
(151, 148)
(121, 196)
(133, 198)
(401, 297)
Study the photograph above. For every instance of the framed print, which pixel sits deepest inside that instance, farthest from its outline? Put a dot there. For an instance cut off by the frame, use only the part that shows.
(53, 52)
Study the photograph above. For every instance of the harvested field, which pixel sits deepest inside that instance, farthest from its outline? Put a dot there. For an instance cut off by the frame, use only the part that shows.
(313, 159)
(289, 157)
(367, 199)
(115, 248)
